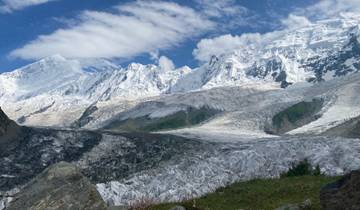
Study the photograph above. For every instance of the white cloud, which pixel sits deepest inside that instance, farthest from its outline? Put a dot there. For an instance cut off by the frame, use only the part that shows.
(295, 21)
(7, 6)
(228, 43)
(216, 8)
(135, 28)
(329, 8)
(229, 14)
(154, 55)
(166, 64)
(223, 44)
(299, 18)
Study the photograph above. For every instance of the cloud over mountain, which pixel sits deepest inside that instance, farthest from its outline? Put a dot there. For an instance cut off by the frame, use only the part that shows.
(131, 29)
(300, 17)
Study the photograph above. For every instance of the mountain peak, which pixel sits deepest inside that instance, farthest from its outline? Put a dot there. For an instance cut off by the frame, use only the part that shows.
(55, 57)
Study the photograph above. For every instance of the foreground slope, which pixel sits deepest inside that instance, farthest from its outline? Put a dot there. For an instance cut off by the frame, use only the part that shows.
(268, 194)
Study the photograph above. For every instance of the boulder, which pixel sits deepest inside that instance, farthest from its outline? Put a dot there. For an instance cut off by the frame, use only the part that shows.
(343, 194)
(178, 208)
(61, 186)
(306, 205)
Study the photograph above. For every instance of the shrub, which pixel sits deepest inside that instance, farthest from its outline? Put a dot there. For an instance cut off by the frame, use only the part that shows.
(303, 168)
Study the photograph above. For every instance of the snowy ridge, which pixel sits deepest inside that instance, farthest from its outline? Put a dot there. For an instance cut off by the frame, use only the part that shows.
(57, 75)
(281, 56)
(34, 94)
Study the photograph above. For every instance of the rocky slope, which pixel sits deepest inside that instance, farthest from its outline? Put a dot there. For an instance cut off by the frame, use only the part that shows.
(342, 194)
(10, 132)
(61, 186)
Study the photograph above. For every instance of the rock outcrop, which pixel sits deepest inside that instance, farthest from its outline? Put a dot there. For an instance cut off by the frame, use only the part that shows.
(343, 194)
(61, 186)
(9, 132)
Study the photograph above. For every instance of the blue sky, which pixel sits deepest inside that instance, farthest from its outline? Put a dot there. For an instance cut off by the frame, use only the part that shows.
(129, 31)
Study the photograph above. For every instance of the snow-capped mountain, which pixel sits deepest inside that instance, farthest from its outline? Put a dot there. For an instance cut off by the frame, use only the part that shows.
(56, 84)
(56, 75)
(310, 53)
(320, 51)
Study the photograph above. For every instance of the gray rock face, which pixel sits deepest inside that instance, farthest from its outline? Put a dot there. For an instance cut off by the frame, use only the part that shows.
(102, 157)
(343, 194)
(34, 149)
(9, 132)
(337, 62)
(4, 123)
(348, 129)
(61, 186)
(274, 67)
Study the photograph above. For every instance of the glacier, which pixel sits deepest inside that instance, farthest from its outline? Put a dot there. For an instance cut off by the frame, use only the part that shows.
(219, 164)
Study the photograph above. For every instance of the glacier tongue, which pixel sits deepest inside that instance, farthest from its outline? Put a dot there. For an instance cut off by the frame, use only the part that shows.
(197, 173)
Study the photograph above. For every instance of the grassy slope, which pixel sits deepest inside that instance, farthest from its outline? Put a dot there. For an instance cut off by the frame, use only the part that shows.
(261, 194)
(189, 117)
(296, 116)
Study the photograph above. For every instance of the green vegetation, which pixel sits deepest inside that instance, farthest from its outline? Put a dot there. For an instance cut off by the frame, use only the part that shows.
(296, 116)
(189, 117)
(303, 168)
(260, 194)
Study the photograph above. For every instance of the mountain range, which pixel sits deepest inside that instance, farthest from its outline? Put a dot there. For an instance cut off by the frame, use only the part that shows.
(37, 93)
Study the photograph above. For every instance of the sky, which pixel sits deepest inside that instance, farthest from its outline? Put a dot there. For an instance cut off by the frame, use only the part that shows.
(172, 32)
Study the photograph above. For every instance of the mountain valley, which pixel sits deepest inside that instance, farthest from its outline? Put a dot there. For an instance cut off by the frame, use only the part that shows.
(146, 131)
